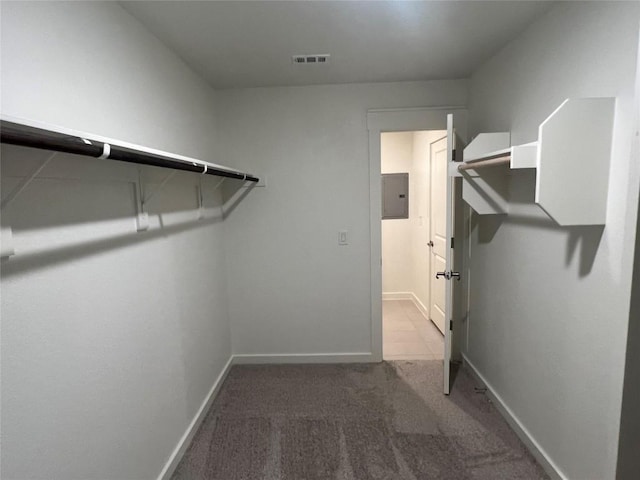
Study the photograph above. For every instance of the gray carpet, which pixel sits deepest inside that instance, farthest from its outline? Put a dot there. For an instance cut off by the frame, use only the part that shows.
(386, 421)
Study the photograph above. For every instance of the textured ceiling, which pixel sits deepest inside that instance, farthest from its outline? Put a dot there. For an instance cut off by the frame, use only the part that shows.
(249, 44)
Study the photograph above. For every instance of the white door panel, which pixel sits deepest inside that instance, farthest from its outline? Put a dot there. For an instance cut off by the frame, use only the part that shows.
(453, 144)
(438, 294)
(448, 282)
(438, 203)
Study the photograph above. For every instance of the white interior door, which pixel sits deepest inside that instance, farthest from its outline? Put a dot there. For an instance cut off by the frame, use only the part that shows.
(438, 229)
(447, 275)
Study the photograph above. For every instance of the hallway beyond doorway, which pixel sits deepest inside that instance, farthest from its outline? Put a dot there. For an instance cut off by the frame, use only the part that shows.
(408, 334)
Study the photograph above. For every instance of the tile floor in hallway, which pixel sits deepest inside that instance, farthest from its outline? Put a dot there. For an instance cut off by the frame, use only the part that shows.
(407, 334)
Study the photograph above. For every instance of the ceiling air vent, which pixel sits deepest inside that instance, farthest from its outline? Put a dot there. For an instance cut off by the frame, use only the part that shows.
(300, 59)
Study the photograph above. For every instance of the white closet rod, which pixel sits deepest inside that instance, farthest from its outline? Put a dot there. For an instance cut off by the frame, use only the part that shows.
(491, 162)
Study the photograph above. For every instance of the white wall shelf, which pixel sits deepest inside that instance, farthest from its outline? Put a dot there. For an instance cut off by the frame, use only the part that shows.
(486, 145)
(571, 159)
(26, 133)
(524, 156)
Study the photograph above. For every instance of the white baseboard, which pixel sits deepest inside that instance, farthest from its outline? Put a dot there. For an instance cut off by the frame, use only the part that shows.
(249, 359)
(397, 295)
(532, 445)
(185, 441)
(420, 306)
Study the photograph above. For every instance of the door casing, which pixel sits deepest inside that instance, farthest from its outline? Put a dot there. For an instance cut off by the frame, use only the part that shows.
(394, 120)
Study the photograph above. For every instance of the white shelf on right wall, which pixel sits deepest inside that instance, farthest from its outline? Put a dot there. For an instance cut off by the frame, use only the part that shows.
(572, 158)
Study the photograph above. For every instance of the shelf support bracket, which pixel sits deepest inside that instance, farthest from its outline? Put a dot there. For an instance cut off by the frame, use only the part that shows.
(201, 196)
(147, 199)
(142, 200)
(219, 184)
(200, 200)
(25, 182)
(142, 217)
(7, 249)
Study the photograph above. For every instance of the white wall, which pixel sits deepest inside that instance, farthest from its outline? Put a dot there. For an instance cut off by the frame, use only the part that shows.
(549, 305)
(95, 68)
(292, 289)
(396, 152)
(111, 339)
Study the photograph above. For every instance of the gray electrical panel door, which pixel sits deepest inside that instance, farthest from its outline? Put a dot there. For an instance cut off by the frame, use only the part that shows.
(395, 195)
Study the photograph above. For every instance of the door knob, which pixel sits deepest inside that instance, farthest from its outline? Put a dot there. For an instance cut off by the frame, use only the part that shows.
(448, 275)
(430, 244)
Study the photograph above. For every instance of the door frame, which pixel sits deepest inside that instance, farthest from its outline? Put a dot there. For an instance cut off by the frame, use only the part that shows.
(394, 120)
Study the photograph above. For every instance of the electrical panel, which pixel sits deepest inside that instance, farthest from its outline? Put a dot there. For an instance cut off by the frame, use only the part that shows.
(395, 195)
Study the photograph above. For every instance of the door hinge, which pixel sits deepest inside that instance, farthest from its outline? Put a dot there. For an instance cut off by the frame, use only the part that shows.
(453, 155)
(451, 242)
(451, 325)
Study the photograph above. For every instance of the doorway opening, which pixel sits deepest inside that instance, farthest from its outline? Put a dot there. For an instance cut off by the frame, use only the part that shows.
(413, 240)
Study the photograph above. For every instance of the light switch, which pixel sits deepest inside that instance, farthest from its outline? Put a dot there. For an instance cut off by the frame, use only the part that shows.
(343, 238)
